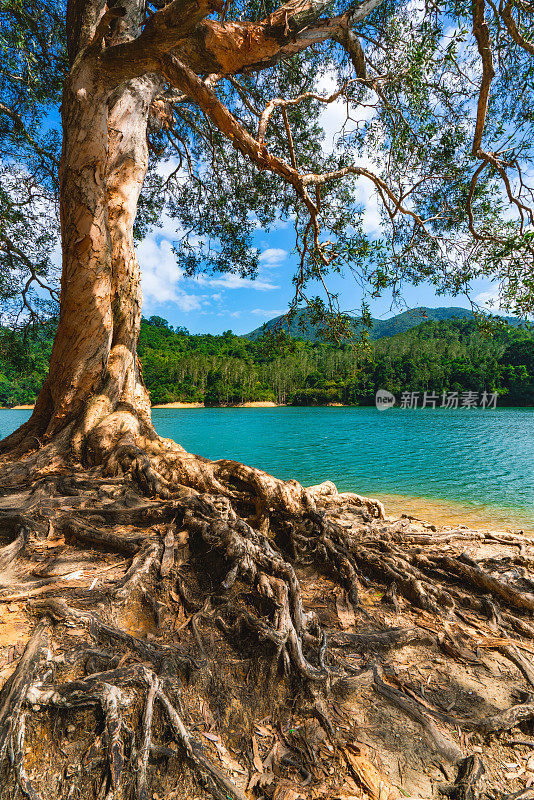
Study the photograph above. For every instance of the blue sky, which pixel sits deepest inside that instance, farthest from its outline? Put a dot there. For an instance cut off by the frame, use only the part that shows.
(214, 304)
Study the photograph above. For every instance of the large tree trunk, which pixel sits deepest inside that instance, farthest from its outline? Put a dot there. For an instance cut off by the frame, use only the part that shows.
(119, 390)
(94, 368)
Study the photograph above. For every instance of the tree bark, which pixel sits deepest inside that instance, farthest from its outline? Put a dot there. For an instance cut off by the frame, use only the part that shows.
(120, 385)
(94, 367)
(83, 339)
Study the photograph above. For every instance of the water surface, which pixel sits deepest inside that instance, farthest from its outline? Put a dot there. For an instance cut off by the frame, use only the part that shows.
(473, 466)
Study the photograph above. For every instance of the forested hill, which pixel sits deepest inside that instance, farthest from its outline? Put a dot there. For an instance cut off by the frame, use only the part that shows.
(301, 327)
(437, 356)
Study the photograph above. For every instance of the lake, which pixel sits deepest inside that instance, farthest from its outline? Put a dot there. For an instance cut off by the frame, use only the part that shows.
(469, 466)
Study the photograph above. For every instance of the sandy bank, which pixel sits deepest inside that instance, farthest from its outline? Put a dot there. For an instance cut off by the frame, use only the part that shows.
(255, 404)
(258, 404)
(178, 405)
(450, 513)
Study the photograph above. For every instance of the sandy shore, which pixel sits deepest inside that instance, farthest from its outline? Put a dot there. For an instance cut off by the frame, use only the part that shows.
(451, 513)
(256, 404)
(178, 405)
(253, 404)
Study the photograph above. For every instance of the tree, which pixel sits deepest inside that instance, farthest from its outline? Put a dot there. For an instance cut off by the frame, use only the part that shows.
(201, 76)
(128, 65)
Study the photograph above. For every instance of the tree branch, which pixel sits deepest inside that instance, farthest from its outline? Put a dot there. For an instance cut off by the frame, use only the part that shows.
(226, 48)
(482, 36)
(248, 47)
(256, 151)
(505, 10)
(164, 31)
(19, 126)
(278, 102)
(350, 42)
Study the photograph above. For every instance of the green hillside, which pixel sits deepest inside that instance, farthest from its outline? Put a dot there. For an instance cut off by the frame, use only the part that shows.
(300, 326)
(437, 355)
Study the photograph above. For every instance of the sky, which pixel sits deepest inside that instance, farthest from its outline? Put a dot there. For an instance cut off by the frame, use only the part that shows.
(227, 302)
(215, 304)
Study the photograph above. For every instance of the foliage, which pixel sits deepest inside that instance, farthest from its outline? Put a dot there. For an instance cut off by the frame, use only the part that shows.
(435, 356)
(451, 211)
(32, 58)
(24, 357)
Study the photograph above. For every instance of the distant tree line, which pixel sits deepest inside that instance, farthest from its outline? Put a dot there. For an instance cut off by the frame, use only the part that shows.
(452, 355)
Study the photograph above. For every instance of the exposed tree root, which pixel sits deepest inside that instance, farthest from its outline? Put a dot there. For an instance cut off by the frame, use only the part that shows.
(15, 688)
(443, 743)
(470, 772)
(171, 619)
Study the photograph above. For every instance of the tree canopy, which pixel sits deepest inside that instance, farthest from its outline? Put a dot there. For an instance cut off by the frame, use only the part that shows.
(438, 100)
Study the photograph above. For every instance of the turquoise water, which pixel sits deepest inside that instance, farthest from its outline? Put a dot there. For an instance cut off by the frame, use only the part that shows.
(464, 465)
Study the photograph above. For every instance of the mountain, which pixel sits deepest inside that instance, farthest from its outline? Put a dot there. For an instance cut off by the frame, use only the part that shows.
(301, 328)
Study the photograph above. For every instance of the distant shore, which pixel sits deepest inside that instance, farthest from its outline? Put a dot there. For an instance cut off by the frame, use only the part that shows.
(179, 404)
(252, 404)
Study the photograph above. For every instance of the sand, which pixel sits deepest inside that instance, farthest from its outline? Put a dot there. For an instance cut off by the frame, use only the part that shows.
(255, 404)
(258, 404)
(178, 405)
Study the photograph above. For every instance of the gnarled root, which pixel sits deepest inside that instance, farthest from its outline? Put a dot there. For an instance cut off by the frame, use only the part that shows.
(210, 605)
(111, 692)
(124, 446)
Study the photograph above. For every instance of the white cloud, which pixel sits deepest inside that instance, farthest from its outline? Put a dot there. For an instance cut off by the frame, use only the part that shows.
(336, 123)
(282, 224)
(166, 168)
(169, 228)
(367, 196)
(272, 257)
(163, 281)
(231, 281)
(160, 276)
(489, 300)
(268, 313)
(334, 117)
